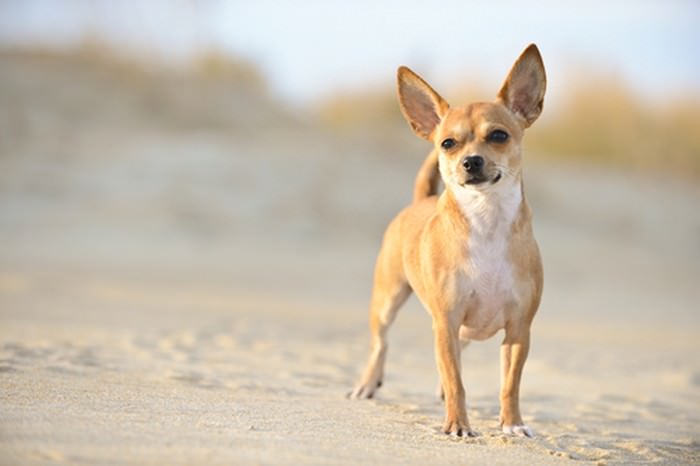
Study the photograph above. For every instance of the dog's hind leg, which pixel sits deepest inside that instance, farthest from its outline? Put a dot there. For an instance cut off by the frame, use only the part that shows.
(390, 291)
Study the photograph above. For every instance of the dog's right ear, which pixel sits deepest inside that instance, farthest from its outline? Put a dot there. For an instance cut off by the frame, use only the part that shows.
(420, 104)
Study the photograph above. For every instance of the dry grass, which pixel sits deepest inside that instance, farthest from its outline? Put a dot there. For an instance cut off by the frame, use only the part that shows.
(603, 122)
(600, 121)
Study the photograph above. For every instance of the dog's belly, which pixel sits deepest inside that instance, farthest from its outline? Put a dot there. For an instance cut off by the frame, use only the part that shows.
(489, 295)
(484, 321)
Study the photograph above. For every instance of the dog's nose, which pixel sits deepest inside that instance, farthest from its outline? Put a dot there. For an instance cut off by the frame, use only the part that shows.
(473, 163)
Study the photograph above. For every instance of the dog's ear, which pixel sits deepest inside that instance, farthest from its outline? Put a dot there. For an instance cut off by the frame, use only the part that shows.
(420, 104)
(523, 90)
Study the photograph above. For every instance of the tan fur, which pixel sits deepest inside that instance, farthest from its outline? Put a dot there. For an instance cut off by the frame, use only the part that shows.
(469, 254)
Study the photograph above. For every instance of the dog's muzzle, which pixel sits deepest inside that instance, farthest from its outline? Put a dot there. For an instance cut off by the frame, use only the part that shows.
(474, 166)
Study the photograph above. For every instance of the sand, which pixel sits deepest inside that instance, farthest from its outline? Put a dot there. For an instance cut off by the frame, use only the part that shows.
(189, 296)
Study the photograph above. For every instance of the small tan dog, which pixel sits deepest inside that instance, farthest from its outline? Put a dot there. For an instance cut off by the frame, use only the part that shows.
(469, 254)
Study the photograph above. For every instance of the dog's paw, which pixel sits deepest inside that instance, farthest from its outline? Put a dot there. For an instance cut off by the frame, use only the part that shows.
(519, 430)
(459, 429)
(364, 391)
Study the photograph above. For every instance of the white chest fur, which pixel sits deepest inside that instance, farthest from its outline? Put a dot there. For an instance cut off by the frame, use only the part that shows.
(488, 271)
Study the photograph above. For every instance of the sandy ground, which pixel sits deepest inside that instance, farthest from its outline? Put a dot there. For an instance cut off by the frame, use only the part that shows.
(189, 296)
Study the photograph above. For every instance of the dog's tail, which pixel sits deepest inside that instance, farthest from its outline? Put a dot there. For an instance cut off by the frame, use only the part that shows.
(427, 179)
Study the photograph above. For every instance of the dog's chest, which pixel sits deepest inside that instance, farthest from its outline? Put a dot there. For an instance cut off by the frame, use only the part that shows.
(488, 273)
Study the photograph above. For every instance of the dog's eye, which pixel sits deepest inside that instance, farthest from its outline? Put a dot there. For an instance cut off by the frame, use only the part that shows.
(497, 136)
(448, 143)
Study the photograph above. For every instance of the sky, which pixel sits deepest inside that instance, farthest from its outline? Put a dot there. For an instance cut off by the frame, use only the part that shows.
(310, 49)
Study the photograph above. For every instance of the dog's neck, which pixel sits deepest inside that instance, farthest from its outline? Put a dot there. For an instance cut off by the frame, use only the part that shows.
(489, 210)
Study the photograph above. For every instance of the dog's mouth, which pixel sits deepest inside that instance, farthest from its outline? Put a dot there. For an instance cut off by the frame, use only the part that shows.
(481, 179)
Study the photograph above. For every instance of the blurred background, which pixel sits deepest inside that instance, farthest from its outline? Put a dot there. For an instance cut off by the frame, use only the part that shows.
(260, 144)
(193, 194)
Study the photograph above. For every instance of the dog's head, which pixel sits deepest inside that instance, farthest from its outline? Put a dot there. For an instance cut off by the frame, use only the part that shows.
(479, 145)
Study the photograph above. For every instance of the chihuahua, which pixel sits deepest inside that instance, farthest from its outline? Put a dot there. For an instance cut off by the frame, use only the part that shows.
(468, 253)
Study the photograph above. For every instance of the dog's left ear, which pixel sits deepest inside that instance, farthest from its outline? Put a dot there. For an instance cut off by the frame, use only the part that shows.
(523, 90)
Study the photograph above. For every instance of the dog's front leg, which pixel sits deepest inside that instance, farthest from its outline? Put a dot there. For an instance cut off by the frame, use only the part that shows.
(447, 352)
(514, 350)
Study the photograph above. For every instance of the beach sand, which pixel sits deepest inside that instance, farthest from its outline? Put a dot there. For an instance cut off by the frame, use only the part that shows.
(189, 296)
